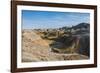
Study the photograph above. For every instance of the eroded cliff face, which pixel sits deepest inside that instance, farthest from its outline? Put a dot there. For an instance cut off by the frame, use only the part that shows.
(35, 48)
(84, 45)
(73, 44)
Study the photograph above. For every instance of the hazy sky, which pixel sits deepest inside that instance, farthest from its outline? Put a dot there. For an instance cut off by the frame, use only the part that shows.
(48, 19)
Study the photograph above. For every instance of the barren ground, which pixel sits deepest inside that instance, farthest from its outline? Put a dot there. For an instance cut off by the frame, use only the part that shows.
(35, 49)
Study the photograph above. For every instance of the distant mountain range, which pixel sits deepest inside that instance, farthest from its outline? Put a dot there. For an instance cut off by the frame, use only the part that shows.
(79, 26)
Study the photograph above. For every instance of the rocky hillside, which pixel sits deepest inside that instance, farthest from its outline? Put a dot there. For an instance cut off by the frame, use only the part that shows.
(35, 48)
(81, 25)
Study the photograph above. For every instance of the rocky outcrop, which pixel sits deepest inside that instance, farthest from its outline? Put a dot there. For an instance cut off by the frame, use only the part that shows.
(84, 45)
(35, 49)
(75, 44)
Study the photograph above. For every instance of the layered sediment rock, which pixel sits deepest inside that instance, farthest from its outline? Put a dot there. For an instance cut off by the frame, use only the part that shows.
(35, 49)
(75, 44)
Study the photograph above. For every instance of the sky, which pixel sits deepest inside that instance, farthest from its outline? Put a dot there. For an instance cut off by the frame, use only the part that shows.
(49, 19)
